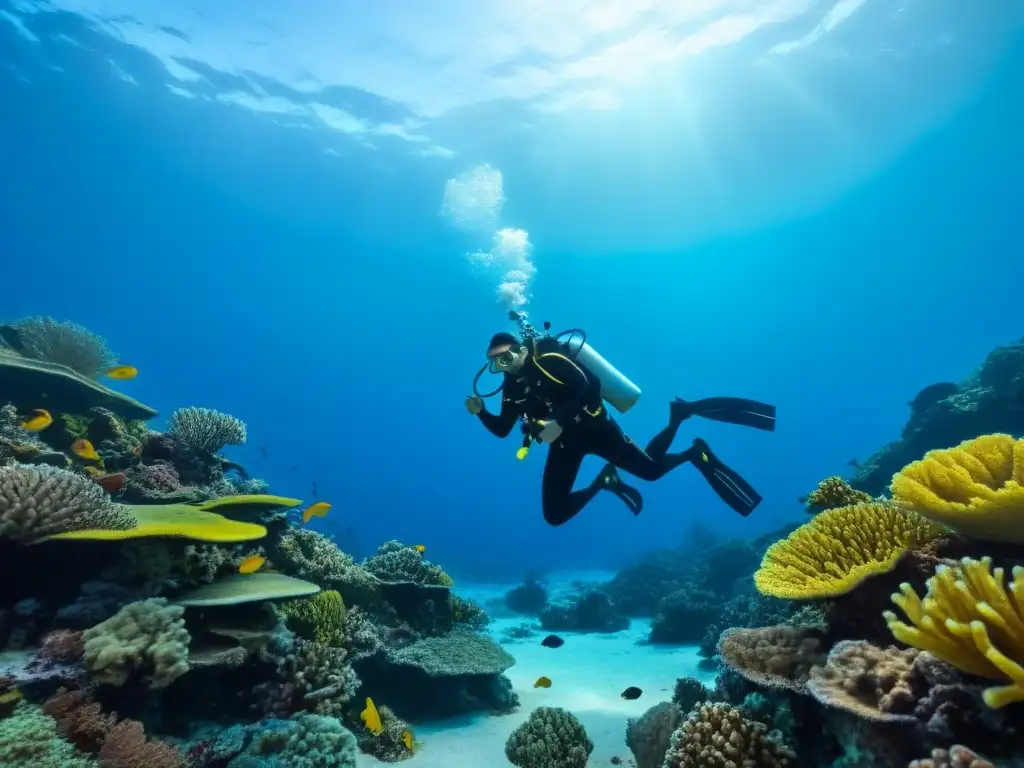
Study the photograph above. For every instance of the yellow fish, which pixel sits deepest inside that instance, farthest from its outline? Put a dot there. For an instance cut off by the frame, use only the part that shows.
(371, 719)
(83, 449)
(542, 682)
(407, 739)
(420, 548)
(94, 472)
(252, 563)
(319, 509)
(123, 372)
(39, 420)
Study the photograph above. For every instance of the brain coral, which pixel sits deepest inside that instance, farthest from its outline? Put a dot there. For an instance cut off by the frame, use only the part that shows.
(834, 552)
(976, 488)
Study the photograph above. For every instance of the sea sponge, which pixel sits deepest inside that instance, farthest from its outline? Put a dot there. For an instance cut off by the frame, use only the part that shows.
(976, 488)
(148, 635)
(205, 429)
(719, 736)
(551, 737)
(29, 739)
(777, 657)
(872, 683)
(835, 492)
(318, 618)
(970, 619)
(38, 501)
(839, 548)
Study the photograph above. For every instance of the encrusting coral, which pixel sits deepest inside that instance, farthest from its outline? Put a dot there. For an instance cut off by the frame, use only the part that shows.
(975, 488)
(37, 502)
(776, 657)
(970, 619)
(834, 492)
(551, 737)
(147, 636)
(872, 683)
(719, 736)
(839, 548)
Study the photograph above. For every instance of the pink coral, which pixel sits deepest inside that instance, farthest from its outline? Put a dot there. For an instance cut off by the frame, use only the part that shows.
(126, 747)
(62, 646)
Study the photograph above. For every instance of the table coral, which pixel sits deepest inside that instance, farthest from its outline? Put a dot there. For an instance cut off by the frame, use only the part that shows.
(776, 657)
(972, 620)
(839, 548)
(550, 738)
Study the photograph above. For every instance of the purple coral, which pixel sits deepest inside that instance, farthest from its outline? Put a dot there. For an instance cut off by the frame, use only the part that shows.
(36, 502)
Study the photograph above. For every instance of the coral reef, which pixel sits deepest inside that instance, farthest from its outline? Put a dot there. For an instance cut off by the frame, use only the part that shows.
(205, 429)
(550, 738)
(719, 736)
(649, 736)
(61, 342)
(834, 492)
(591, 610)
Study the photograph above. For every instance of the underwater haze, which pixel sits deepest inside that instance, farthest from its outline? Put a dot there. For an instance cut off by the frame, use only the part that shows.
(314, 216)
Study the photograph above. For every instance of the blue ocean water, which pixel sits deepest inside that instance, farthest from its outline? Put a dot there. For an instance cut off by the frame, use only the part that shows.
(821, 210)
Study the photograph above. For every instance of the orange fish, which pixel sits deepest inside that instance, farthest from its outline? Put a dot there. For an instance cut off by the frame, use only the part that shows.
(420, 548)
(38, 421)
(83, 449)
(112, 483)
(123, 372)
(408, 740)
(319, 509)
(371, 718)
(94, 472)
(252, 563)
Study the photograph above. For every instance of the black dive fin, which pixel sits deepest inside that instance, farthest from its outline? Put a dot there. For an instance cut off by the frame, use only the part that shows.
(731, 410)
(730, 487)
(609, 480)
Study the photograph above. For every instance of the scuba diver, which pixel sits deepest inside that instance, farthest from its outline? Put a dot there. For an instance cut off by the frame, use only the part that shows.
(561, 402)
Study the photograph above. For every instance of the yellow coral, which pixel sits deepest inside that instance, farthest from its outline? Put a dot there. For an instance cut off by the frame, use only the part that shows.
(180, 520)
(318, 618)
(835, 492)
(838, 549)
(976, 488)
(967, 615)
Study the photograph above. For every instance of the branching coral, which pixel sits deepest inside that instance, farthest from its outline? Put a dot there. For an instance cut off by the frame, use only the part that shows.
(126, 747)
(719, 736)
(148, 635)
(395, 561)
(976, 488)
(550, 738)
(321, 675)
(36, 502)
(872, 683)
(970, 619)
(65, 343)
(205, 429)
(835, 492)
(314, 557)
(838, 549)
(777, 657)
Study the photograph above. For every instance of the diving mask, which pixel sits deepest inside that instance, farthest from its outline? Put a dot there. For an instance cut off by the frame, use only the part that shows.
(500, 363)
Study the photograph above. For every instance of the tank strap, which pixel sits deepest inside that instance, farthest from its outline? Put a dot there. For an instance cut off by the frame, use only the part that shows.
(541, 368)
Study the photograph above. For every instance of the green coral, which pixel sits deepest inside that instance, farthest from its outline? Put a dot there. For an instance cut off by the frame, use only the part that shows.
(305, 741)
(396, 562)
(314, 557)
(551, 737)
(28, 739)
(467, 612)
(319, 618)
(147, 636)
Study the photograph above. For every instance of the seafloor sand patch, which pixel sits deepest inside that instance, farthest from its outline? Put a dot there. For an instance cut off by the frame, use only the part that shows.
(588, 673)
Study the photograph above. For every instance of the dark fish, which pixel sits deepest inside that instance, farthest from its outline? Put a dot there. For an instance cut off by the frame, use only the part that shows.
(314, 489)
(552, 641)
(632, 693)
(932, 394)
(11, 337)
(263, 451)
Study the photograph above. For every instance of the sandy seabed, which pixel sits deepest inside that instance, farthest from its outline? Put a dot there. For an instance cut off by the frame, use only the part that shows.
(588, 675)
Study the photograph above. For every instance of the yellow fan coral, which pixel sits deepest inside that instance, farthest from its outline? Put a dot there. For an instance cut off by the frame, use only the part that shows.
(976, 488)
(838, 549)
(179, 520)
(971, 620)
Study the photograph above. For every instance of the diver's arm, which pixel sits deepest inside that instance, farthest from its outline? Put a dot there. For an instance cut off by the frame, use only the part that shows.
(584, 386)
(499, 424)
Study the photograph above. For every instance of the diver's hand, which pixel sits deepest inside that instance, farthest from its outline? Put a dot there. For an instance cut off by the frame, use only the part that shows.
(550, 432)
(474, 404)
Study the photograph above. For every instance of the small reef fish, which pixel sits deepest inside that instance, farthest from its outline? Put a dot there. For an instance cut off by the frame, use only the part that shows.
(552, 641)
(420, 548)
(123, 372)
(38, 421)
(632, 693)
(94, 472)
(319, 509)
(83, 449)
(408, 740)
(110, 483)
(542, 682)
(252, 563)
(371, 719)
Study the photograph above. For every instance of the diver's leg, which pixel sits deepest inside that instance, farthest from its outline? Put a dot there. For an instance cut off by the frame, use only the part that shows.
(732, 410)
(559, 501)
(662, 441)
(726, 482)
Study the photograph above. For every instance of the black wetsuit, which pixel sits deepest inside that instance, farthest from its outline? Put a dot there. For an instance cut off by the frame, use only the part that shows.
(552, 387)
